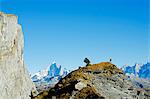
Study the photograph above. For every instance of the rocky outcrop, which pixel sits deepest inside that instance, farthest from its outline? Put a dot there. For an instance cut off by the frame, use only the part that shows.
(15, 83)
(97, 81)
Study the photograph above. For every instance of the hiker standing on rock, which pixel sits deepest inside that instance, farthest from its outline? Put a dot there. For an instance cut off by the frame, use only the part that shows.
(110, 59)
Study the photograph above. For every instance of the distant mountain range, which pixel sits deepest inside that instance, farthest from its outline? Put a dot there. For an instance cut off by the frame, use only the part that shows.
(138, 70)
(49, 76)
(139, 74)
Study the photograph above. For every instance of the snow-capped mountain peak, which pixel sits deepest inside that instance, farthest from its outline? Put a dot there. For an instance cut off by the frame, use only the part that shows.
(138, 70)
(51, 75)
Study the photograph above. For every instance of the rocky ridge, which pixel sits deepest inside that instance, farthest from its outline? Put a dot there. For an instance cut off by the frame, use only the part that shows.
(98, 81)
(15, 83)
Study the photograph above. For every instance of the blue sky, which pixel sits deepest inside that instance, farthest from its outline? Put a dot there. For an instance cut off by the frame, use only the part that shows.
(67, 31)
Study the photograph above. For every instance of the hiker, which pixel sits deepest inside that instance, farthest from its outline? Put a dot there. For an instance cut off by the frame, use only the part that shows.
(87, 61)
(110, 59)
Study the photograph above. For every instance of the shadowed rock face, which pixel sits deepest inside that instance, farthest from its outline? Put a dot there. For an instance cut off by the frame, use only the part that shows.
(98, 81)
(15, 82)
